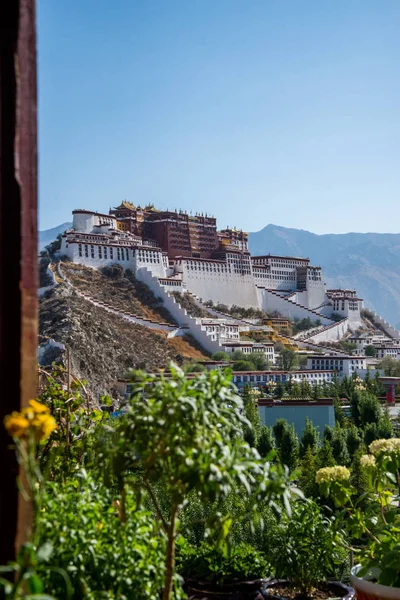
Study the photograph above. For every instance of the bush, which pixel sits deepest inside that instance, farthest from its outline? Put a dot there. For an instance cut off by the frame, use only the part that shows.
(306, 549)
(207, 563)
(113, 271)
(104, 557)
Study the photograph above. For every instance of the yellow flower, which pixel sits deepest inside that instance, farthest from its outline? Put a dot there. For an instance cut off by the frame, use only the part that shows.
(330, 474)
(390, 446)
(38, 407)
(43, 425)
(367, 461)
(16, 424)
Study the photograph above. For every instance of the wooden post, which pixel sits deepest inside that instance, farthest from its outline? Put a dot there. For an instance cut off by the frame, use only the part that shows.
(18, 249)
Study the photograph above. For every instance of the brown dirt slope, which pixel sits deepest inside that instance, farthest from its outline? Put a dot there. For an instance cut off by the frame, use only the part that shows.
(104, 346)
(120, 289)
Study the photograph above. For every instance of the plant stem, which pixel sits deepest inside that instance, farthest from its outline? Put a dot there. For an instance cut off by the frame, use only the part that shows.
(156, 505)
(170, 558)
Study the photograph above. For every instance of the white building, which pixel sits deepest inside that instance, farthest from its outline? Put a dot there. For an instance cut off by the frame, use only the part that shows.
(287, 284)
(344, 366)
(262, 378)
(393, 351)
(267, 348)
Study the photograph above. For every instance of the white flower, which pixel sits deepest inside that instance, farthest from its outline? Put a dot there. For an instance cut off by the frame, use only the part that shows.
(390, 446)
(329, 474)
(367, 461)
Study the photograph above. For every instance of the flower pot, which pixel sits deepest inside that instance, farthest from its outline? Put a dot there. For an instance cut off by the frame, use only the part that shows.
(367, 589)
(336, 589)
(241, 590)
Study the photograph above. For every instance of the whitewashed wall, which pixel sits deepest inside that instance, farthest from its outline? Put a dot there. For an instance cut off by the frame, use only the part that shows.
(270, 301)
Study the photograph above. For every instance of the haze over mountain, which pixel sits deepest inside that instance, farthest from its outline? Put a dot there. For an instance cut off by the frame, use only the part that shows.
(368, 262)
(49, 235)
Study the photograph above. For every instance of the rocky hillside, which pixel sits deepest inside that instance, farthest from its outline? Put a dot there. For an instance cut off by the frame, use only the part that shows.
(369, 262)
(103, 346)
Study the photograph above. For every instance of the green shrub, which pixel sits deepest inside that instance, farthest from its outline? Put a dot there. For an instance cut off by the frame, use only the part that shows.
(306, 549)
(206, 563)
(103, 556)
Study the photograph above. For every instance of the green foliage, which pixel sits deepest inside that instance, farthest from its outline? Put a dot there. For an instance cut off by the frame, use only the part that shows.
(372, 518)
(339, 413)
(221, 356)
(289, 448)
(21, 579)
(279, 428)
(207, 563)
(308, 470)
(306, 549)
(354, 440)
(243, 365)
(370, 351)
(369, 409)
(252, 431)
(339, 447)
(189, 433)
(309, 438)
(325, 456)
(266, 441)
(287, 359)
(259, 360)
(104, 556)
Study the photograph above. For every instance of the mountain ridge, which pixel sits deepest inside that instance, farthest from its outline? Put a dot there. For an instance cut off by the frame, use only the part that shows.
(368, 262)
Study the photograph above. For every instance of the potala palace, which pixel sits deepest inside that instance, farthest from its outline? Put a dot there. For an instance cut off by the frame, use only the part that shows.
(174, 251)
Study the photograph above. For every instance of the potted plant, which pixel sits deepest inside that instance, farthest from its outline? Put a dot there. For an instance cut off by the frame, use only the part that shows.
(305, 551)
(185, 435)
(210, 572)
(378, 529)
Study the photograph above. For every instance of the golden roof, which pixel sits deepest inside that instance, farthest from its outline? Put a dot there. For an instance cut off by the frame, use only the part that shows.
(126, 204)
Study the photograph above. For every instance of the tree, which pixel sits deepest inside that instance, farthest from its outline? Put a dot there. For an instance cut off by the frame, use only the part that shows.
(370, 351)
(266, 441)
(308, 468)
(385, 426)
(325, 456)
(328, 433)
(251, 431)
(339, 412)
(279, 428)
(369, 409)
(354, 440)
(289, 448)
(221, 356)
(287, 359)
(309, 438)
(243, 365)
(187, 433)
(391, 366)
(339, 446)
(359, 476)
(370, 433)
(259, 360)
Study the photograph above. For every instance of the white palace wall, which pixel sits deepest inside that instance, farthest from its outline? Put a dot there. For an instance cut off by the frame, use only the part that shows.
(227, 288)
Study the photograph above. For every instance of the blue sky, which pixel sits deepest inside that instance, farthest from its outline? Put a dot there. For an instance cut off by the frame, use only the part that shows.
(256, 111)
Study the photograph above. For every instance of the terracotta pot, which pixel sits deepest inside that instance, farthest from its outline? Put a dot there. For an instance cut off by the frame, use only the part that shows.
(337, 589)
(368, 590)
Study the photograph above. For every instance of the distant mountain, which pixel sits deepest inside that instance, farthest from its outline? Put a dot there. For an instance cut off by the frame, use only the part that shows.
(368, 262)
(49, 235)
